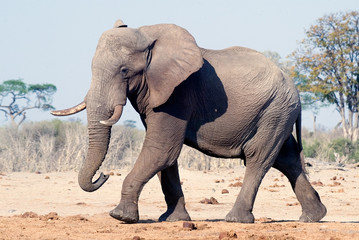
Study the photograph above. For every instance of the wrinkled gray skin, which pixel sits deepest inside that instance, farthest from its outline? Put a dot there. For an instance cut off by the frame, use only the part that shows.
(231, 103)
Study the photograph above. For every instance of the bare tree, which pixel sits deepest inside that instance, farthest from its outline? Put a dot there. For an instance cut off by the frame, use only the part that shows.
(17, 97)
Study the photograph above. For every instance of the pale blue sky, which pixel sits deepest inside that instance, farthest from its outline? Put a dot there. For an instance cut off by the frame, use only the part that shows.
(54, 41)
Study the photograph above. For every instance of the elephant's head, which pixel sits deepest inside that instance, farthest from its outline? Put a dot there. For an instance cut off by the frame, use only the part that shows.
(160, 56)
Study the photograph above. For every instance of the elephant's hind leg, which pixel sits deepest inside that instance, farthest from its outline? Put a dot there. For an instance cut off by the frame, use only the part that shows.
(171, 188)
(289, 163)
(260, 152)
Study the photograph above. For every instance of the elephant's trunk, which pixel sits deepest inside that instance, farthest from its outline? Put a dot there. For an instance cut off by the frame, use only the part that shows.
(99, 131)
(104, 104)
(99, 138)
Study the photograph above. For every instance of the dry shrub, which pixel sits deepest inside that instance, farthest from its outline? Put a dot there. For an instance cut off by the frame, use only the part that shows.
(61, 146)
(330, 146)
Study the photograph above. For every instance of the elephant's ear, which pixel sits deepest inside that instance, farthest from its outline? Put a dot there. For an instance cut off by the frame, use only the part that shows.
(173, 58)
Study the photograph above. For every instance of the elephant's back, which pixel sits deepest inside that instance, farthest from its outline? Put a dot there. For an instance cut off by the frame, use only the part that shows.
(238, 87)
(242, 66)
(248, 78)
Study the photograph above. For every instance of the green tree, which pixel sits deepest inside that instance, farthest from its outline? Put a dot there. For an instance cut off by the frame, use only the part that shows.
(17, 97)
(277, 59)
(327, 66)
(308, 101)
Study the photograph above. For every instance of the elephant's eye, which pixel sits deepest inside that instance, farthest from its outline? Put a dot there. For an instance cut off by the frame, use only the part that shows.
(124, 71)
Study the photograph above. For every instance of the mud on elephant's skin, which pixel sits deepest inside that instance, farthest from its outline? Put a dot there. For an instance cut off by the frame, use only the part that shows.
(226, 103)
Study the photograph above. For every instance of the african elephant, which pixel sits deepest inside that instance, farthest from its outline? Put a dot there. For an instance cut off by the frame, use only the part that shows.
(231, 103)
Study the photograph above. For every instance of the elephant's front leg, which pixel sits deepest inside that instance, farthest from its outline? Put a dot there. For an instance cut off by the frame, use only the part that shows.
(171, 188)
(161, 148)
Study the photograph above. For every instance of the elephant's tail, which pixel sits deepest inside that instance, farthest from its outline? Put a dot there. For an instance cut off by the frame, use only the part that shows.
(298, 132)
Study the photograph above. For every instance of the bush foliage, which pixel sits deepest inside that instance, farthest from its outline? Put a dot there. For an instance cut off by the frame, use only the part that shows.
(327, 146)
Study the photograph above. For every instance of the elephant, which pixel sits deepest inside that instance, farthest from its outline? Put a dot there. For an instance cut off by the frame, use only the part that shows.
(230, 103)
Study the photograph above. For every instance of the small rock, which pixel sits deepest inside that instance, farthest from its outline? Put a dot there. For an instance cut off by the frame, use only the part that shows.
(237, 184)
(118, 174)
(50, 216)
(136, 238)
(212, 200)
(224, 191)
(189, 225)
(227, 235)
(318, 183)
(335, 184)
(29, 215)
(292, 204)
(47, 177)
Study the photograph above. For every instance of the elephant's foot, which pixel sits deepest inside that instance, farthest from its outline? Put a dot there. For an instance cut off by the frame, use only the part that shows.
(126, 212)
(313, 215)
(176, 211)
(240, 216)
(173, 215)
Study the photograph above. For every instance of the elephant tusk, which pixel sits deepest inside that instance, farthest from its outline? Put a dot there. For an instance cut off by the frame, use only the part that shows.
(70, 111)
(115, 116)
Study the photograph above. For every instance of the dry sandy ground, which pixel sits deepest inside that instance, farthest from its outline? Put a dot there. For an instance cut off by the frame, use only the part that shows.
(52, 206)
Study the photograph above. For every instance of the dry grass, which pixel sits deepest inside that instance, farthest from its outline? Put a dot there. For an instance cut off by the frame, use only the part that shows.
(61, 146)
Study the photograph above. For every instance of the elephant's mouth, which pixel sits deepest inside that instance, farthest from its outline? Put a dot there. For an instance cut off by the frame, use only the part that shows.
(80, 107)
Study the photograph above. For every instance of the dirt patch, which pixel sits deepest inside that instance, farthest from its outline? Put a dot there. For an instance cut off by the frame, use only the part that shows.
(32, 207)
(103, 227)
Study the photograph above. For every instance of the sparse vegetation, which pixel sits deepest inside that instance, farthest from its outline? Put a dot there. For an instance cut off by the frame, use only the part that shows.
(330, 146)
(61, 146)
